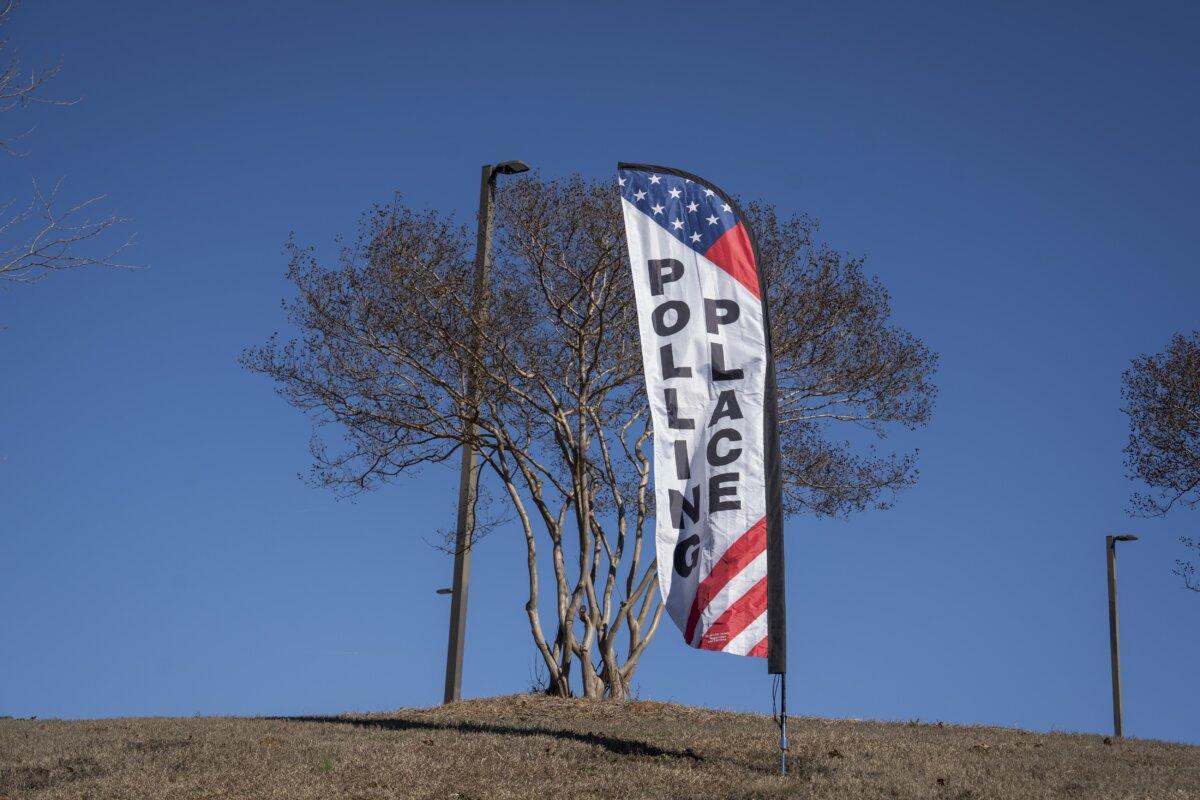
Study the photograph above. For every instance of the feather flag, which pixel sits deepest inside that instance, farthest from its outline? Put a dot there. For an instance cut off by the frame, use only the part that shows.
(706, 350)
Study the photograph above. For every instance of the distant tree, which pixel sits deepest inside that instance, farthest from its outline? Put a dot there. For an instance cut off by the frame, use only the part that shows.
(563, 423)
(41, 234)
(1186, 569)
(1162, 398)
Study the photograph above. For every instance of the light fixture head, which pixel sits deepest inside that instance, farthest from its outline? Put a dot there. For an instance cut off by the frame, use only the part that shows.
(510, 167)
(1125, 537)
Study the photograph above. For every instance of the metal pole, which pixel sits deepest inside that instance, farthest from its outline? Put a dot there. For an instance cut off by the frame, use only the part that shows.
(1110, 545)
(783, 740)
(468, 479)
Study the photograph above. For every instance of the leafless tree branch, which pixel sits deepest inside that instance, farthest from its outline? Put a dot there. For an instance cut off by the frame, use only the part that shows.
(45, 235)
(1162, 400)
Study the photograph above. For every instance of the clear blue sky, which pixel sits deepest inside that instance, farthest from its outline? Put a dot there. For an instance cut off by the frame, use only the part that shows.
(1022, 179)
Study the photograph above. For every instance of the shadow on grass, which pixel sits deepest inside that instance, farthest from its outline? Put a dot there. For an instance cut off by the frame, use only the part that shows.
(623, 747)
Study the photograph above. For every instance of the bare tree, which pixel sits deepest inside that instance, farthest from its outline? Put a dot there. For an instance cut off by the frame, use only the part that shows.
(1186, 569)
(42, 234)
(1162, 398)
(563, 424)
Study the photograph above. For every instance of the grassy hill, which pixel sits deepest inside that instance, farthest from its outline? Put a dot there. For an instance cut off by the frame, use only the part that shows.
(533, 746)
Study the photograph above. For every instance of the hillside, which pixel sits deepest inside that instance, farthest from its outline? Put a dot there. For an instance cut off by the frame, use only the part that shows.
(532, 746)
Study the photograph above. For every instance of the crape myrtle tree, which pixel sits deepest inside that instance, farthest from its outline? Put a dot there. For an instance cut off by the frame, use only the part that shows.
(562, 422)
(1162, 398)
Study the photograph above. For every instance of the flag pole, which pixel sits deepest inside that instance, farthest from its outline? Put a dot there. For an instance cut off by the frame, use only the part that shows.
(776, 576)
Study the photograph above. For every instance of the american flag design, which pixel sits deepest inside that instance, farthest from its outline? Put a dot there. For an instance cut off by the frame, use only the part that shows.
(706, 359)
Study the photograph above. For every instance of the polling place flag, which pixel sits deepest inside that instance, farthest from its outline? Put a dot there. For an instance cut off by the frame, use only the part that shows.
(710, 380)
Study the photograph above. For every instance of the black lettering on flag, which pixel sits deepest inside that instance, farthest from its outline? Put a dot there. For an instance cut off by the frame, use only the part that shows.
(673, 419)
(727, 407)
(731, 455)
(663, 271)
(683, 564)
(719, 373)
(680, 505)
(666, 357)
(716, 491)
(659, 317)
(683, 468)
(729, 312)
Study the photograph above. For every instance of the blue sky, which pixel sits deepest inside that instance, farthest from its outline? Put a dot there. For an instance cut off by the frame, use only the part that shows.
(1022, 178)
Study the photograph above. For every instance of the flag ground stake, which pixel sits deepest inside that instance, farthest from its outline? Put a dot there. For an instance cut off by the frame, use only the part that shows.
(783, 742)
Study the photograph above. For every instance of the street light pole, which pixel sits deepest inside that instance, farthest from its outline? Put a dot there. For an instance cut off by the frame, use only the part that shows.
(1110, 546)
(468, 476)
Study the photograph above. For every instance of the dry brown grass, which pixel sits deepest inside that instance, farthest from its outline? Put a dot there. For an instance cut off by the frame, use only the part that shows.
(533, 746)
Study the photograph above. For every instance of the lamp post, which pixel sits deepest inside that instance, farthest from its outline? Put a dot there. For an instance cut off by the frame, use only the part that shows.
(468, 478)
(1110, 545)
